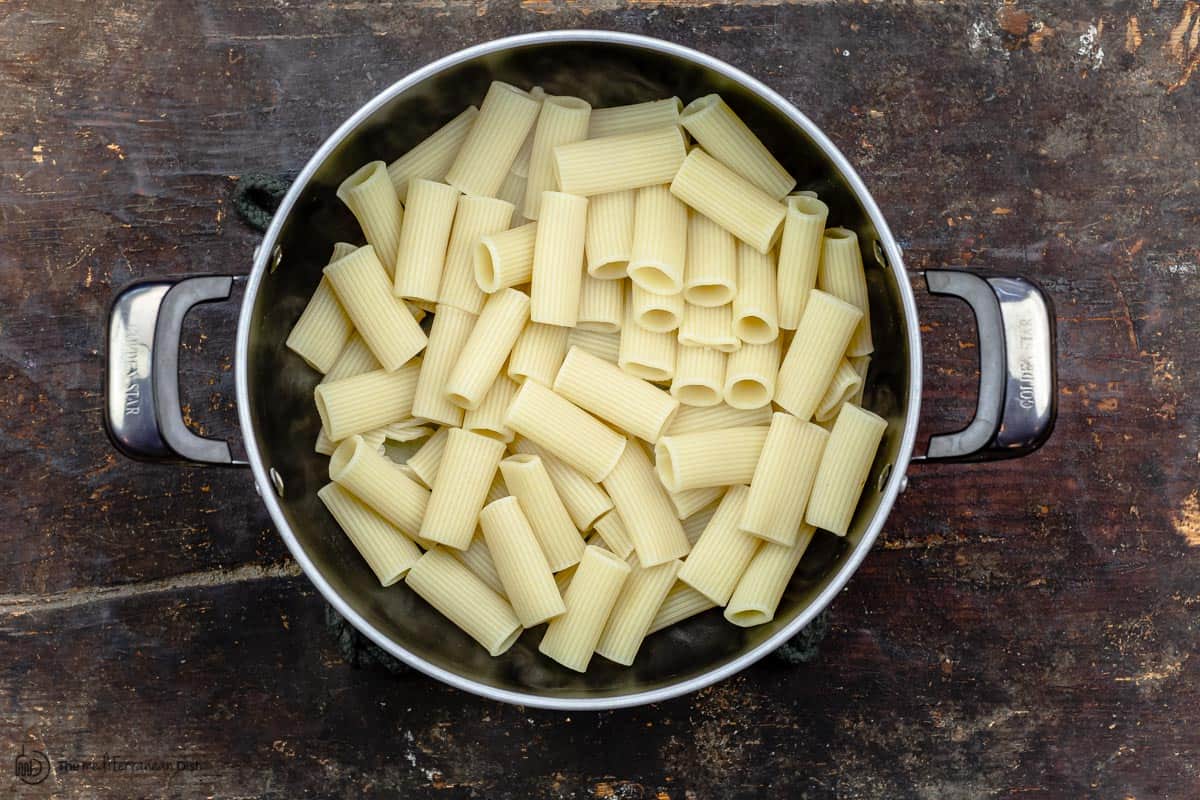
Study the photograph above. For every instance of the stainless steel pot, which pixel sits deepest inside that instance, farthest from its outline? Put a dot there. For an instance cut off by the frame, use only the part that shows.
(1016, 404)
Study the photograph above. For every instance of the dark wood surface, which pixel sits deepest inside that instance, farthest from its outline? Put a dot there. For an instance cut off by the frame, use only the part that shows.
(1023, 629)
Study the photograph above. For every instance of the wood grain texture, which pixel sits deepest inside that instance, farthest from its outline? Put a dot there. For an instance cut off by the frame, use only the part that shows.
(1023, 629)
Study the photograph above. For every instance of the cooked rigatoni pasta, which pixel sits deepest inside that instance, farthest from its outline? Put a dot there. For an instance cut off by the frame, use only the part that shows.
(699, 376)
(723, 550)
(563, 120)
(520, 165)
(660, 232)
(369, 195)
(449, 333)
(487, 419)
(527, 579)
(602, 388)
(527, 478)
(367, 401)
(377, 481)
(558, 259)
(647, 158)
(811, 361)
(505, 258)
(567, 431)
(842, 276)
(634, 118)
(844, 468)
(424, 236)
(760, 589)
(355, 359)
(602, 345)
(387, 551)
(708, 458)
(708, 326)
(688, 503)
(609, 238)
(862, 365)
(443, 582)
(710, 277)
(585, 501)
(431, 159)
(722, 133)
(478, 559)
(682, 602)
(611, 530)
(428, 458)
(755, 306)
(323, 329)
(655, 313)
(490, 148)
(799, 256)
(365, 292)
(783, 479)
(629, 621)
(750, 375)
(503, 317)
(728, 199)
(645, 509)
(846, 382)
(601, 305)
(571, 637)
(692, 420)
(538, 353)
(460, 488)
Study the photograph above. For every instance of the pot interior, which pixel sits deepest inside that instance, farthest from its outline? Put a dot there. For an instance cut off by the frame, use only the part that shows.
(280, 385)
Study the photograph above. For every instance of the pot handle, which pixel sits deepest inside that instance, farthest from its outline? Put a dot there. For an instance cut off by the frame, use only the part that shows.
(143, 415)
(1018, 395)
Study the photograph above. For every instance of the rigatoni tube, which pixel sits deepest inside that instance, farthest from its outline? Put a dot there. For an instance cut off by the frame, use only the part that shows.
(811, 361)
(755, 306)
(657, 313)
(722, 552)
(612, 531)
(321, 332)
(783, 479)
(365, 292)
(378, 482)
(449, 333)
(761, 587)
(487, 419)
(682, 602)
(478, 558)
(563, 120)
(710, 277)
(699, 376)
(461, 487)
(709, 458)
(355, 359)
(616, 163)
(527, 579)
(690, 502)
(729, 200)
(617, 120)
(799, 256)
(751, 374)
(369, 195)
(645, 509)
(367, 401)
(601, 345)
(482, 357)
(691, 420)
(585, 501)
(505, 118)
(660, 232)
(388, 552)
(526, 477)
(423, 240)
(451, 588)
(845, 385)
(844, 468)
(571, 637)
(708, 326)
(608, 241)
(629, 621)
(601, 305)
(505, 258)
(842, 275)
(564, 429)
(426, 461)
(431, 159)
(723, 134)
(629, 403)
(558, 259)
(538, 353)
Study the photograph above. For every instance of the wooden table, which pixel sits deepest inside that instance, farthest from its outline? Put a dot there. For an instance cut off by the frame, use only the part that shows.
(1022, 629)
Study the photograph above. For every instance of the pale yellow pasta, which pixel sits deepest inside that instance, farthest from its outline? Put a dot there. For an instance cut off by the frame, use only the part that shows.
(527, 478)
(565, 430)
(861, 364)
(601, 305)
(634, 118)
(722, 133)
(655, 313)
(660, 231)
(424, 237)
(563, 120)
(694, 525)
(431, 159)
(761, 587)
(729, 200)
(449, 333)
(710, 277)
(538, 353)
(520, 165)
(694, 419)
(783, 479)
(708, 458)
(645, 509)
(461, 487)
(505, 258)
(488, 418)
(571, 637)
(629, 621)
(367, 401)
(527, 579)
(601, 345)
(365, 292)
(608, 241)
(617, 163)
(844, 468)
(443, 582)
(323, 329)
(388, 552)
(811, 361)
(722, 552)
(708, 326)
(324, 445)
(478, 559)
(428, 458)
(506, 116)
(750, 375)
(627, 402)
(611, 530)
(512, 191)
(756, 304)
(585, 501)
(563, 579)
(558, 259)
(845, 385)
(479, 362)
(369, 195)
(355, 359)
(699, 376)
(406, 430)
(377, 481)
(842, 276)
(799, 256)
(682, 602)
(688, 503)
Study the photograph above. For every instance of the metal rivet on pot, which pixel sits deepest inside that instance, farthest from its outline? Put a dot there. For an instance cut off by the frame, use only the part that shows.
(880, 258)
(884, 474)
(257, 250)
(276, 480)
(276, 257)
(904, 484)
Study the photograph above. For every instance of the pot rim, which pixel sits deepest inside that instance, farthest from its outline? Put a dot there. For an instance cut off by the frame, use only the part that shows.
(890, 492)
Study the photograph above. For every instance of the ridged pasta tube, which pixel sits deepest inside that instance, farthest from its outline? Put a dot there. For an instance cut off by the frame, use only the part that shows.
(611, 530)
(538, 353)
(723, 551)
(645, 509)
(601, 305)
(811, 361)
(799, 256)
(365, 292)
(691, 420)
(377, 481)
(571, 638)
(431, 159)
(656, 313)
(629, 621)
(660, 232)
(527, 579)
(487, 419)
(708, 326)
(608, 242)
(617, 163)
(449, 333)
(761, 587)
(369, 195)
(443, 582)
(710, 277)
(367, 401)
(756, 304)
(505, 258)
(388, 552)
(423, 240)
(699, 376)
(783, 479)
(602, 388)
(426, 461)
(729, 200)
(558, 259)
(461, 487)
(565, 430)
(563, 120)
(843, 276)
(505, 118)
(709, 458)
(527, 478)
(503, 317)
(323, 329)
(635, 118)
(723, 134)
(682, 602)
(844, 468)
(844, 386)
